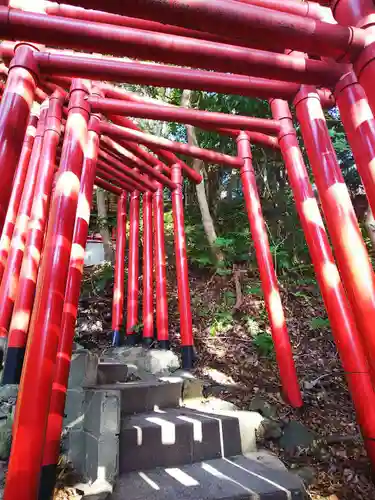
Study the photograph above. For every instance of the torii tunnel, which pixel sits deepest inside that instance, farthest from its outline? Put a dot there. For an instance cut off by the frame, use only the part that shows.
(64, 128)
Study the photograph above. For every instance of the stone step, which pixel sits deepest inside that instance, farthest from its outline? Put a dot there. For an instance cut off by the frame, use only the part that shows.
(144, 396)
(111, 372)
(235, 478)
(174, 437)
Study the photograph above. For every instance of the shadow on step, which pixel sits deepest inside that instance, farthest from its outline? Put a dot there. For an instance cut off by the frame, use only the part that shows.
(165, 438)
(219, 479)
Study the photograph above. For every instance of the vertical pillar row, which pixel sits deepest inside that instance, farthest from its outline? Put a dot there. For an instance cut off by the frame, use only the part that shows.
(345, 332)
(28, 273)
(133, 270)
(162, 332)
(119, 285)
(350, 250)
(186, 323)
(148, 296)
(37, 377)
(51, 451)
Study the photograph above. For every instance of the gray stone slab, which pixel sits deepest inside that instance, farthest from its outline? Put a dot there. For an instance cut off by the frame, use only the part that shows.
(111, 372)
(101, 457)
(74, 408)
(144, 443)
(174, 437)
(83, 369)
(145, 397)
(102, 411)
(144, 361)
(283, 479)
(219, 479)
(267, 458)
(139, 397)
(73, 445)
(249, 421)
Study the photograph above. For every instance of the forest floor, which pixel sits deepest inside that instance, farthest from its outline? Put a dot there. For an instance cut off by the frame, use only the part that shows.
(234, 351)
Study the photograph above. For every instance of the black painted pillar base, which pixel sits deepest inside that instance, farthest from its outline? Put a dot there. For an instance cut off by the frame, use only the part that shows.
(116, 338)
(187, 357)
(132, 339)
(147, 341)
(13, 365)
(47, 482)
(164, 345)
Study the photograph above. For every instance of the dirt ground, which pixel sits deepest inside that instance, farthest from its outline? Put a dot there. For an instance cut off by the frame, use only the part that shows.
(336, 464)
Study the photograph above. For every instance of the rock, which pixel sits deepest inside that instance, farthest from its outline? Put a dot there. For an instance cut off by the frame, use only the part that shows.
(8, 399)
(218, 377)
(267, 458)
(192, 387)
(161, 362)
(143, 361)
(210, 405)
(8, 394)
(270, 429)
(296, 435)
(263, 407)
(307, 474)
(5, 438)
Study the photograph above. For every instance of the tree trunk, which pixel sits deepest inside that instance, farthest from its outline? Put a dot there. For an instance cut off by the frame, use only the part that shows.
(101, 198)
(207, 220)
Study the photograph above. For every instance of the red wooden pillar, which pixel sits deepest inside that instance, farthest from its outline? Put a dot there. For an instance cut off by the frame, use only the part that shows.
(186, 323)
(133, 270)
(9, 282)
(15, 108)
(148, 295)
(359, 123)
(34, 243)
(160, 270)
(283, 348)
(351, 254)
(342, 321)
(37, 376)
(69, 316)
(18, 185)
(119, 286)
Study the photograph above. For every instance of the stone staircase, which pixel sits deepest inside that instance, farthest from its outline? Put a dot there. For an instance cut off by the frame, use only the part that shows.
(142, 439)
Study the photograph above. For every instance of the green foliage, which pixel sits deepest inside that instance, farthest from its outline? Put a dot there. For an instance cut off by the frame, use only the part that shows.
(137, 328)
(103, 276)
(301, 295)
(234, 246)
(319, 323)
(99, 278)
(222, 322)
(229, 298)
(252, 326)
(222, 271)
(264, 344)
(253, 290)
(203, 312)
(305, 281)
(343, 151)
